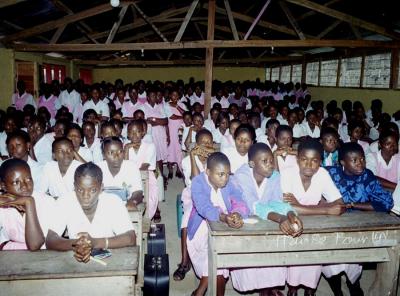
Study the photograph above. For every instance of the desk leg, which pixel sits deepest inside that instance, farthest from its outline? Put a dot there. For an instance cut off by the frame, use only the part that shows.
(212, 267)
(386, 278)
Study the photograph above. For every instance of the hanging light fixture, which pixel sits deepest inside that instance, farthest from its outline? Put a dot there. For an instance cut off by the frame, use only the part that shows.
(114, 3)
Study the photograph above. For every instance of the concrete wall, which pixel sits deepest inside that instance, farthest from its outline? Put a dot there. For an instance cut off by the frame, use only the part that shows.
(390, 98)
(129, 74)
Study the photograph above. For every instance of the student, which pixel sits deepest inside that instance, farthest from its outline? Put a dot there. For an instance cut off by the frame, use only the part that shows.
(119, 100)
(270, 134)
(197, 96)
(271, 113)
(130, 106)
(143, 154)
(75, 134)
(156, 117)
(58, 175)
(311, 126)
(215, 198)
(10, 126)
(21, 98)
(107, 130)
(93, 218)
(25, 215)
(356, 130)
(261, 188)
(227, 140)
(49, 101)
(120, 173)
(91, 141)
(96, 104)
(221, 129)
(362, 191)
(298, 131)
(119, 129)
(18, 146)
(330, 143)
(70, 98)
(41, 145)
(389, 126)
(385, 164)
(190, 136)
(244, 137)
(174, 111)
(255, 122)
(284, 155)
(211, 122)
(303, 186)
(60, 128)
(192, 165)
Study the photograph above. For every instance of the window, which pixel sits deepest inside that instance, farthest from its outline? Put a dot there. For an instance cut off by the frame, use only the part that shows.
(296, 73)
(53, 72)
(377, 71)
(328, 73)
(267, 73)
(285, 74)
(312, 73)
(350, 72)
(275, 73)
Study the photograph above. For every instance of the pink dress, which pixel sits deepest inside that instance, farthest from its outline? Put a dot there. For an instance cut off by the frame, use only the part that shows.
(51, 104)
(174, 147)
(158, 132)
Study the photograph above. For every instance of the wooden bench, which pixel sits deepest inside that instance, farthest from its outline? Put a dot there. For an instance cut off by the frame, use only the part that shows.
(58, 273)
(351, 238)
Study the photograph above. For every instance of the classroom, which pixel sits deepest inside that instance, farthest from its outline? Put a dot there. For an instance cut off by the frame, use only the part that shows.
(199, 147)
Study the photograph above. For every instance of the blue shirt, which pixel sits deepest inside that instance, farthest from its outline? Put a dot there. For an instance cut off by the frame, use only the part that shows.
(364, 188)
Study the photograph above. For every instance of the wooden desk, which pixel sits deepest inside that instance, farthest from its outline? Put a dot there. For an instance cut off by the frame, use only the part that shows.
(58, 273)
(351, 238)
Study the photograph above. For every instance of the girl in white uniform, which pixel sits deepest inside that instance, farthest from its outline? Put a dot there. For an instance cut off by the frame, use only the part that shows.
(57, 178)
(75, 134)
(41, 144)
(94, 220)
(244, 137)
(120, 173)
(91, 141)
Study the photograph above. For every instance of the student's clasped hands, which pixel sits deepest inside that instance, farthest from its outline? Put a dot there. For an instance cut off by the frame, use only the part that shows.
(83, 247)
(234, 220)
(292, 226)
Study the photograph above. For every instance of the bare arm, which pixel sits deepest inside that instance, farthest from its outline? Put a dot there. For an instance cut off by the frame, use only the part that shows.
(58, 243)
(386, 184)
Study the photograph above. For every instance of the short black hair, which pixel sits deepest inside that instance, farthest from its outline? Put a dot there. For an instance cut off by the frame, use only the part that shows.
(245, 128)
(354, 124)
(203, 132)
(309, 113)
(283, 128)
(137, 122)
(59, 141)
(217, 158)
(89, 112)
(388, 133)
(350, 147)
(257, 148)
(75, 126)
(271, 122)
(329, 131)
(18, 134)
(10, 164)
(110, 140)
(89, 169)
(311, 144)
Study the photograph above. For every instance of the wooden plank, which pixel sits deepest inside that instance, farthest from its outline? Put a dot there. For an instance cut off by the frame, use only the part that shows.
(355, 221)
(185, 22)
(302, 258)
(209, 58)
(339, 70)
(229, 30)
(231, 20)
(57, 23)
(356, 32)
(117, 23)
(257, 19)
(16, 27)
(99, 286)
(362, 71)
(57, 34)
(328, 29)
(147, 20)
(138, 23)
(199, 31)
(205, 44)
(394, 69)
(346, 18)
(291, 19)
(46, 264)
(312, 12)
(5, 3)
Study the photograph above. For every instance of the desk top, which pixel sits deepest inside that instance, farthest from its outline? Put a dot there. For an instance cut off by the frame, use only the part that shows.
(20, 265)
(354, 221)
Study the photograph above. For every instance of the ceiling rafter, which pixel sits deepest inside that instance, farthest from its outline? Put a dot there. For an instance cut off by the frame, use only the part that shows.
(312, 12)
(291, 20)
(117, 23)
(186, 21)
(231, 20)
(257, 19)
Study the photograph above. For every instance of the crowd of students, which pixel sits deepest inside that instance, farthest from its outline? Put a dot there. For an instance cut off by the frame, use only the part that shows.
(265, 149)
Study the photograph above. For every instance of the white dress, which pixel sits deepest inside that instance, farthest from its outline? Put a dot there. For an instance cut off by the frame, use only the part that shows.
(42, 150)
(236, 160)
(53, 183)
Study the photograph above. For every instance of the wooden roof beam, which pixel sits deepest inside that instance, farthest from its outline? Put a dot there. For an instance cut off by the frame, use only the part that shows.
(61, 6)
(312, 12)
(328, 29)
(346, 18)
(5, 3)
(199, 31)
(136, 24)
(228, 30)
(148, 21)
(185, 22)
(45, 27)
(257, 19)
(57, 34)
(291, 19)
(116, 24)
(231, 20)
(16, 27)
(204, 44)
